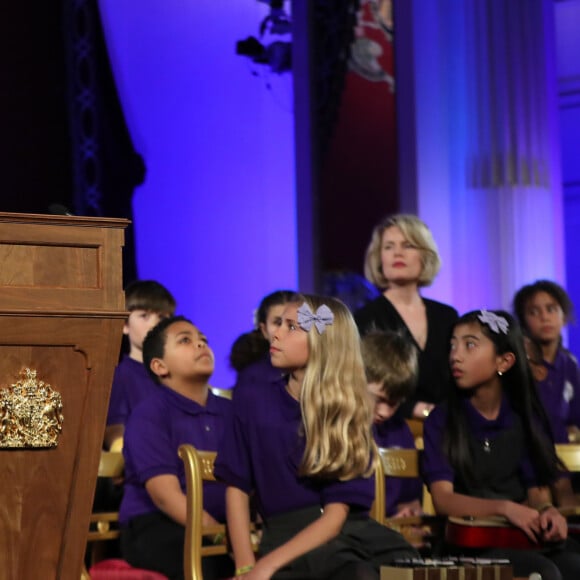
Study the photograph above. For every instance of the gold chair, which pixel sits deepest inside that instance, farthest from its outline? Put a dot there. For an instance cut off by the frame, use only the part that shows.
(198, 468)
(105, 525)
(225, 393)
(117, 445)
(403, 463)
(569, 453)
(416, 427)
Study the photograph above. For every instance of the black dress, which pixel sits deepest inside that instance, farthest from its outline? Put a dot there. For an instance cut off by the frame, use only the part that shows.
(434, 379)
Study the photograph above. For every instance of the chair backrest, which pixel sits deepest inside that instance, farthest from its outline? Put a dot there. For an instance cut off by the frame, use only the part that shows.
(111, 464)
(416, 428)
(225, 393)
(397, 463)
(104, 525)
(117, 444)
(392, 463)
(198, 468)
(569, 453)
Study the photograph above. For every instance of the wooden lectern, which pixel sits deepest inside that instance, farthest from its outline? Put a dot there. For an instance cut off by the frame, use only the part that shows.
(61, 316)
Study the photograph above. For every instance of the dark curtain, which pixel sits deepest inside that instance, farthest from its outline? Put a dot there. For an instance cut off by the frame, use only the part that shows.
(64, 144)
(356, 122)
(106, 167)
(333, 33)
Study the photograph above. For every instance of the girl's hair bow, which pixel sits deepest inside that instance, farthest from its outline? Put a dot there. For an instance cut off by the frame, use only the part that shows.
(496, 323)
(322, 318)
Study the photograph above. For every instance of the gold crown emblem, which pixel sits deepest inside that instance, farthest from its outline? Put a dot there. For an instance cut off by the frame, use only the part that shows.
(30, 413)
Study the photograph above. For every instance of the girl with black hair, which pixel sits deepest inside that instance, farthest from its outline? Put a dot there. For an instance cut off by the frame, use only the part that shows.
(489, 449)
(250, 353)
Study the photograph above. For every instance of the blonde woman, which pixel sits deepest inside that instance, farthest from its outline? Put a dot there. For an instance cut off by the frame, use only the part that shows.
(401, 258)
(306, 451)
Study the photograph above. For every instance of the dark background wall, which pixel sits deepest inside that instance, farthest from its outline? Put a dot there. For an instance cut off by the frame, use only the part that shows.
(35, 156)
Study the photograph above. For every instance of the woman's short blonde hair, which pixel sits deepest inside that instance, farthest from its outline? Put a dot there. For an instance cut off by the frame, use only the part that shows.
(417, 233)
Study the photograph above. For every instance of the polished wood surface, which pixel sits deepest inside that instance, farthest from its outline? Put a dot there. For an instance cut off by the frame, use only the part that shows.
(62, 312)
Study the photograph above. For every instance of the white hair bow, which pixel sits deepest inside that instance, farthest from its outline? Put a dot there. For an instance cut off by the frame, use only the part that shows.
(496, 323)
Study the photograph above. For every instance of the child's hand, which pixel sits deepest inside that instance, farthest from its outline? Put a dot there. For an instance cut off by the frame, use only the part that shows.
(554, 525)
(261, 571)
(525, 518)
(405, 510)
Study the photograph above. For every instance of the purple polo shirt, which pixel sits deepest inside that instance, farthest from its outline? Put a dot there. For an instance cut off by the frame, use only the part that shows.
(259, 373)
(262, 450)
(435, 465)
(395, 433)
(155, 430)
(560, 394)
(131, 384)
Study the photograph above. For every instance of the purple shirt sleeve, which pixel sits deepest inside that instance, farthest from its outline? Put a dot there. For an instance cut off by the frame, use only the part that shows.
(233, 464)
(149, 447)
(359, 492)
(560, 394)
(435, 465)
(574, 379)
(131, 385)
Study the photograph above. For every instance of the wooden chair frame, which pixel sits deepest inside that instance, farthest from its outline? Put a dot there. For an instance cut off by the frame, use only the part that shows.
(398, 463)
(569, 453)
(416, 427)
(198, 468)
(403, 463)
(105, 525)
(111, 464)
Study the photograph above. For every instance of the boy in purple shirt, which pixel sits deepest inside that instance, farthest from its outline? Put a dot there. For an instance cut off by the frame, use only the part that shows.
(543, 308)
(182, 410)
(147, 302)
(391, 369)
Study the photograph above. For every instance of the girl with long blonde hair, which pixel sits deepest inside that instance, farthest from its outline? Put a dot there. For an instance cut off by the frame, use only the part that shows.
(305, 450)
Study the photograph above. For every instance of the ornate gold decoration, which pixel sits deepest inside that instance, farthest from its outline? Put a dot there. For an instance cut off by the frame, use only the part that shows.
(395, 464)
(30, 413)
(207, 466)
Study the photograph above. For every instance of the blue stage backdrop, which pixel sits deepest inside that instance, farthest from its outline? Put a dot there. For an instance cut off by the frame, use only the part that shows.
(215, 219)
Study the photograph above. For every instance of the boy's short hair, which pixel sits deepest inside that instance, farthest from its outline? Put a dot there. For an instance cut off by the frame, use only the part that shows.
(524, 294)
(154, 343)
(149, 295)
(391, 360)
